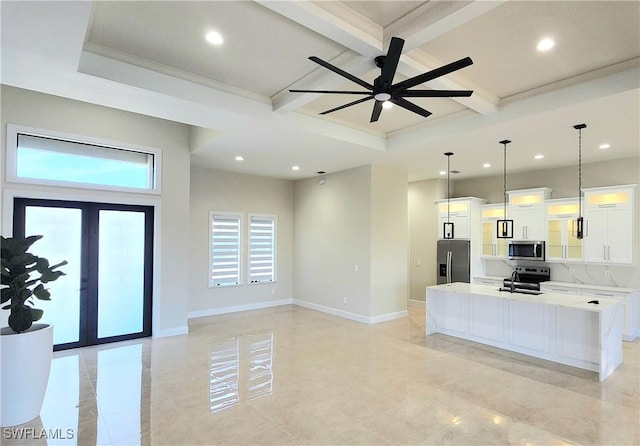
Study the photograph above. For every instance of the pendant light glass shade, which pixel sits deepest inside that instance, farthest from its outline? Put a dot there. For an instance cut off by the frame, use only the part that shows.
(504, 227)
(578, 224)
(447, 230)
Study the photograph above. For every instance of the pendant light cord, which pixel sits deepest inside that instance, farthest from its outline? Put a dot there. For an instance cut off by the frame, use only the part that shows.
(579, 172)
(579, 128)
(448, 183)
(504, 183)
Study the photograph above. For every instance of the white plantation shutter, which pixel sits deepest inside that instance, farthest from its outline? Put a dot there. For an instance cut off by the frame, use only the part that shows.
(224, 249)
(262, 248)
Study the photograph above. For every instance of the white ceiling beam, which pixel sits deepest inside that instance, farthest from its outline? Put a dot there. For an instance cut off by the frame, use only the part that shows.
(433, 19)
(335, 21)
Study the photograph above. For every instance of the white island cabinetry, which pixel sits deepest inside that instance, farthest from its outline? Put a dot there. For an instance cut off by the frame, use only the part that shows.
(628, 298)
(557, 327)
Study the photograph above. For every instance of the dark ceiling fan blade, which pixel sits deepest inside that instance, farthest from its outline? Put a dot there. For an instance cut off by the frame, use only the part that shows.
(435, 93)
(375, 114)
(347, 105)
(410, 106)
(342, 73)
(430, 75)
(330, 92)
(391, 60)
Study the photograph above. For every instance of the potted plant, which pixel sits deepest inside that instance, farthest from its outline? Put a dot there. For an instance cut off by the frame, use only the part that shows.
(26, 347)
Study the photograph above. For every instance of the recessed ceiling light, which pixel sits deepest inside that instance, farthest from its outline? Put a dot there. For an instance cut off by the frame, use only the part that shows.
(214, 38)
(443, 172)
(545, 44)
(295, 167)
(387, 105)
(485, 165)
(539, 157)
(239, 158)
(605, 146)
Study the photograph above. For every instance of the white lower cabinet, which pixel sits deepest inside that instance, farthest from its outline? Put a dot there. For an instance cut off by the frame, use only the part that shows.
(578, 334)
(486, 317)
(561, 328)
(628, 298)
(529, 325)
(453, 313)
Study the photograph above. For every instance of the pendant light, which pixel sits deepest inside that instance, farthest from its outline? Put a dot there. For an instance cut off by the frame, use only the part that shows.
(504, 227)
(447, 229)
(579, 222)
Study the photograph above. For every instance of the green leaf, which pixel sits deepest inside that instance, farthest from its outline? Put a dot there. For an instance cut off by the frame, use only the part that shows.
(41, 293)
(20, 318)
(36, 314)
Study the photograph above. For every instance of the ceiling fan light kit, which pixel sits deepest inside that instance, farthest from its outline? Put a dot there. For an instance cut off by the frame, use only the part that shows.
(383, 88)
(504, 227)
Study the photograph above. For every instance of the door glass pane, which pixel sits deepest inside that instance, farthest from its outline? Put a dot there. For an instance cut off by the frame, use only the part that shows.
(62, 231)
(120, 273)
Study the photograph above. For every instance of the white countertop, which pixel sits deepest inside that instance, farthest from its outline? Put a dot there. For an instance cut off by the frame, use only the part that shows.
(591, 287)
(565, 300)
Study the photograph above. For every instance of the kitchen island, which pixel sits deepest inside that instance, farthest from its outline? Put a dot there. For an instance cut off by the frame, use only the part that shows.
(557, 327)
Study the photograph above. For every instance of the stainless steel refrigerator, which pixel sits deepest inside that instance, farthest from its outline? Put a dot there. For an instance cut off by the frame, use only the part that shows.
(453, 261)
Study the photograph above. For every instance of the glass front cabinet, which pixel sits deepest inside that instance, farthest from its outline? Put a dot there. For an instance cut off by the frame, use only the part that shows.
(562, 243)
(492, 246)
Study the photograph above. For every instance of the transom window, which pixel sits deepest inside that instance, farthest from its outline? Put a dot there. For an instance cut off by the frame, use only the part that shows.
(54, 159)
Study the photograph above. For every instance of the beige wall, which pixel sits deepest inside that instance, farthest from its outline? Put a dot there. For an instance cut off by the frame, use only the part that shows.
(28, 108)
(423, 234)
(563, 180)
(389, 241)
(332, 233)
(214, 190)
(350, 243)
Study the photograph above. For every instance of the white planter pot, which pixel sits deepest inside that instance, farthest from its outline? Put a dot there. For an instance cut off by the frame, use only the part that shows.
(25, 365)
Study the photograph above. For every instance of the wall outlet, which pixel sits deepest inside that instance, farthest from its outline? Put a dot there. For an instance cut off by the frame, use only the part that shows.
(345, 301)
(418, 263)
(607, 273)
(356, 268)
(273, 291)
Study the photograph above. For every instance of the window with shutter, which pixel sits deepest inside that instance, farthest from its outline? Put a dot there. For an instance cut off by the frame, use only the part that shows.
(262, 248)
(224, 249)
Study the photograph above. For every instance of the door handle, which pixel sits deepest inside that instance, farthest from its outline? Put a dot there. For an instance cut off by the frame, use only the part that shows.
(448, 266)
(604, 252)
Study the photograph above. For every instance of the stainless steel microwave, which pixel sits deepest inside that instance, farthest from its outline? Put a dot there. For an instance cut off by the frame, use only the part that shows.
(526, 250)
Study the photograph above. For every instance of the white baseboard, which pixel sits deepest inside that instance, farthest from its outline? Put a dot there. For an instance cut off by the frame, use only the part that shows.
(351, 316)
(333, 311)
(236, 308)
(417, 303)
(388, 317)
(175, 331)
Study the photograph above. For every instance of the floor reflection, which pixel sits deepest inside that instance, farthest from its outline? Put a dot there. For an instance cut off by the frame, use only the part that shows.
(241, 368)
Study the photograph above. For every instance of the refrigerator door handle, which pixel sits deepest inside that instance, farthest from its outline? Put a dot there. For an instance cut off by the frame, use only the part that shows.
(448, 266)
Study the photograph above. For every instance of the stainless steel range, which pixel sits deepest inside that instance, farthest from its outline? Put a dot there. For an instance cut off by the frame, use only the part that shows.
(526, 279)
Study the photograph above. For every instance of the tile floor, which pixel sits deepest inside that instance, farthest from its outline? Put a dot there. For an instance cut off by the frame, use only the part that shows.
(293, 376)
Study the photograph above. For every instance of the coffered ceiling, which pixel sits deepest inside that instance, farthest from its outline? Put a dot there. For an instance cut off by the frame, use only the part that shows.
(151, 57)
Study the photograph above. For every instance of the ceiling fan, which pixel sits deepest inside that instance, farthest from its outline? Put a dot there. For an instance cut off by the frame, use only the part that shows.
(383, 88)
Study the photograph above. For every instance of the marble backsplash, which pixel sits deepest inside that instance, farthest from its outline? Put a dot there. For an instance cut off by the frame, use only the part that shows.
(613, 276)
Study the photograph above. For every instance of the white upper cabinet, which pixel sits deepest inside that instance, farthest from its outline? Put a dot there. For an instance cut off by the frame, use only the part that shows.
(526, 209)
(462, 212)
(608, 218)
(562, 243)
